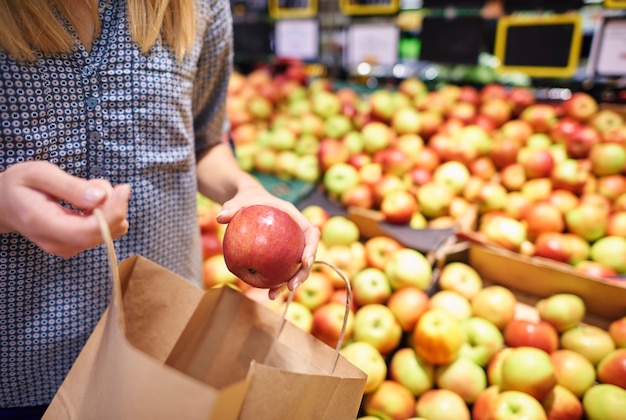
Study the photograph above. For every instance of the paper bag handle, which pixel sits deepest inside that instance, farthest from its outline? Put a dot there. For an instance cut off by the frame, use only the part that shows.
(345, 316)
(108, 241)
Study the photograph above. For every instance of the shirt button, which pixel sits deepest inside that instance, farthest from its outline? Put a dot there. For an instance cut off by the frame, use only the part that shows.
(92, 102)
(88, 71)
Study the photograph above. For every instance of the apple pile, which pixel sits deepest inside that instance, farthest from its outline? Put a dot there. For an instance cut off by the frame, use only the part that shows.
(545, 179)
(459, 348)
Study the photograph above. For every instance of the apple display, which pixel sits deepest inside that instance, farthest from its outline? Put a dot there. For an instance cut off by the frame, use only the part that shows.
(612, 368)
(408, 304)
(588, 340)
(604, 402)
(573, 371)
(538, 334)
(438, 336)
(463, 376)
(370, 285)
(562, 310)
(483, 340)
(365, 357)
(442, 404)
(496, 304)
(375, 324)
(390, 400)
(410, 370)
(528, 370)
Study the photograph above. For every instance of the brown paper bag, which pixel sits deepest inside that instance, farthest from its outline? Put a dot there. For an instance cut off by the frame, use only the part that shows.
(165, 349)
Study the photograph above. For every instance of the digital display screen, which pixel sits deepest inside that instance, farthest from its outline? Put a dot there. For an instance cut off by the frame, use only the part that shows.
(456, 40)
(253, 38)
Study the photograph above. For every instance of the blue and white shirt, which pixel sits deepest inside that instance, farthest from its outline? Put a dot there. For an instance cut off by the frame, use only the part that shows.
(115, 114)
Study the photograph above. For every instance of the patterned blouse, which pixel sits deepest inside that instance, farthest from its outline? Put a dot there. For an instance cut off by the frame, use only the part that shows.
(115, 114)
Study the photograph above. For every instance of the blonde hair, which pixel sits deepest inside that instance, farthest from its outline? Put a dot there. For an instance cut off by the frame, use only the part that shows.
(27, 26)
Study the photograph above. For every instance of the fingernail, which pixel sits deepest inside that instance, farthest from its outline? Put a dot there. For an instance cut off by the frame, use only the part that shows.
(310, 262)
(124, 191)
(94, 194)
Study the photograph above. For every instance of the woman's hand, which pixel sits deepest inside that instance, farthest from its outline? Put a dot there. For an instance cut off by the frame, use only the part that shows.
(30, 195)
(255, 194)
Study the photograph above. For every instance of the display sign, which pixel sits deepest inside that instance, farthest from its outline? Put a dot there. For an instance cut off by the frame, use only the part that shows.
(458, 4)
(539, 45)
(253, 39)
(615, 4)
(546, 5)
(297, 39)
(292, 9)
(369, 7)
(376, 44)
(607, 56)
(457, 40)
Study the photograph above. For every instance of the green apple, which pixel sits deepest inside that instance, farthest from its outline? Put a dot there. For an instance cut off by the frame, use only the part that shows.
(376, 324)
(376, 136)
(299, 315)
(325, 104)
(339, 230)
(307, 144)
(461, 278)
(516, 405)
(483, 341)
(453, 173)
(562, 310)
(588, 340)
(390, 400)
(365, 357)
(370, 285)
(307, 168)
(339, 177)
(573, 371)
(409, 369)
(463, 376)
(442, 404)
(286, 163)
(408, 267)
(587, 220)
(435, 198)
(604, 402)
(529, 370)
(336, 126)
(315, 291)
(328, 323)
(405, 120)
(610, 251)
(281, 138)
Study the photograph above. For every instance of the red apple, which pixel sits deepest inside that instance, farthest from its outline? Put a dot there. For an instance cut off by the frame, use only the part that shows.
(612, 368)
(263, 246)
(581, 141)
(554, 246)
(399, 206)
(525, 333)
(379, 249)
(537, 163)
(359, 195)
(561, 403)
(390, 400)
(521, 97)
(540, 116)
(484, 404)
(607, 159)
(211, 244)
(561, 310)
(543, 217)
(332, 151)
(328, 321)
(216, 274)
(581, 106)
(595, 269)
(408, 304)
(316, 214)
(617, 330)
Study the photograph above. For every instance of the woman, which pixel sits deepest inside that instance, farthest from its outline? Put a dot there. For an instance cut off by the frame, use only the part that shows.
(117, 104)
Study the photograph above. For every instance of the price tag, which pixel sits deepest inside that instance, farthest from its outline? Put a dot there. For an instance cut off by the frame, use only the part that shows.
(376, 44)
(297, 39)
(607, 56)
(290, 9)
(369, 7)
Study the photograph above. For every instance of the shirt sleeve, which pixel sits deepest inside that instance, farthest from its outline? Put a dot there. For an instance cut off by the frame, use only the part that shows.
(214, 69)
